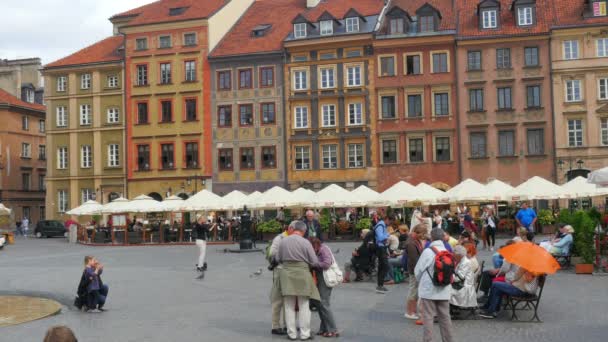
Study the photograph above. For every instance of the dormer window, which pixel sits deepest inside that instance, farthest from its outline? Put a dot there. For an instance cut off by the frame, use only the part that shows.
(599, 8)
(428, 18)
(489, 19)
(396, 26)
(327, 27)
(299, 30)
(260, 30)
(426, 23)
(177, 11)
(524, 16)
(352, 24)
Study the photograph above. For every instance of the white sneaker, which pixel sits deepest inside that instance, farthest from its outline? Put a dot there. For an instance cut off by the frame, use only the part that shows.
(491, 249)
(412, 317)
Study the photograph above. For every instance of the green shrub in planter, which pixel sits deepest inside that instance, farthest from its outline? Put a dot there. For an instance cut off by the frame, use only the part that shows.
(584, 232)
(325, 220)
(545, 217)
(364, 223)
(271, 226)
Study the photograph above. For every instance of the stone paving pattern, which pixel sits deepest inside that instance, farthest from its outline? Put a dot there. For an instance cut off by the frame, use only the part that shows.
(20, 309)
(154, 297)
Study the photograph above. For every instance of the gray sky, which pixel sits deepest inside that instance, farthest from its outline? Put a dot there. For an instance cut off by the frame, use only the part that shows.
(52, 29)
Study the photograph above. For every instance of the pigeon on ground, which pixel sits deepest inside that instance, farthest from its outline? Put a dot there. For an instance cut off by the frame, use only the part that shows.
(337, 251)
(256, 273)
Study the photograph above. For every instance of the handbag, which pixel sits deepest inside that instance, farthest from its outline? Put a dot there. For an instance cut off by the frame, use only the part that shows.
(333, 275)
(458, 285)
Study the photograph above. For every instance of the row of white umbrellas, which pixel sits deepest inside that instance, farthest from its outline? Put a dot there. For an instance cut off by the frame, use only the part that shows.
(400, 194)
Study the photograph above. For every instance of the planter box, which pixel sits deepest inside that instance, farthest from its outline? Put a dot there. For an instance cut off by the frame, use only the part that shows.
(584, 268)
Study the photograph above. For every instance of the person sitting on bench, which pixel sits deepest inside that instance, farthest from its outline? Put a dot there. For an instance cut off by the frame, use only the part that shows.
(562, 245)
(524, 284)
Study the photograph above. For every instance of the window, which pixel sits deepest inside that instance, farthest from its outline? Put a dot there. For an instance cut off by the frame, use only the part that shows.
(300, 58)
(247, 158)
(388, 107)
(299, 30)
(442, 104)
(489, 19)
(166, 111)
(62, 82)
(327, 55)
(42, 152)
(245, 78)
(571, 49)
(396, 26)
(353, 75)
(440, 62)
(442, 149)
(142, 75)
(414, 106)
(353, 53)
(602, 47)
(330, 156)
(268, 113)
(246, 115)
(143, 157)
(26, 212)
(355, 155)
(29, 95)
(85, 114)
(224, 159)
(533, 96)
(302, 158)
(190, 39)
(26, 150)
(25, 123)
(191, 155)
(352, 24)
(503, 58)
(86, 160)
(506, 143)
(41, 183)
(301, 117)
(573, 91)
(327, 27)
(387, 66)
(269, 157)
(85, 81)
(478, 145)
(164, 42)
(599, 8)
(329, 115)
(62, 116)
(531, 56)
(62, 158)
(113, 155)
(412, 65)
(190, 71)
(536, 141)
(142, 113)
(167, 156)
(474, 60)
(426, 23)
(604, 131)
(603, 89)
(416, 150)
(267, 77)
(300, 80)
(190, 109)
(355, 114)
(575, 133)
(112, 81)
(389, 151)
(113, 115)
(223, 80)
(327, 78)
(524, 16)
(476, 100)
(141, 44)
(41, 126)
(62, 201)
(224, 116)
(504, 98)
(165, 73)
(86, 195)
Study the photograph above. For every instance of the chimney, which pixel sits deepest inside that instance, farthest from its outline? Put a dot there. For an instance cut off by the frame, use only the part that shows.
(312, 3)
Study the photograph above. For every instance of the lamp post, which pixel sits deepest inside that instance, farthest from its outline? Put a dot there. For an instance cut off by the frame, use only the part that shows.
(194, 179)
(572, 172)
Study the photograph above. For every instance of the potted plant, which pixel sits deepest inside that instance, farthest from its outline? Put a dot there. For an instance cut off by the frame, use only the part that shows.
(584, 232)
(364, 223)
(326, 224)
(546, 221)
(269, 229)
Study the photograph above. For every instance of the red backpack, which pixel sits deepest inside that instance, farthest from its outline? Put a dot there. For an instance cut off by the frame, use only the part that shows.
(443, 268)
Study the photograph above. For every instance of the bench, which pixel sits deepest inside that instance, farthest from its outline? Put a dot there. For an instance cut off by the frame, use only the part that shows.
(564, 260)
(531, 302)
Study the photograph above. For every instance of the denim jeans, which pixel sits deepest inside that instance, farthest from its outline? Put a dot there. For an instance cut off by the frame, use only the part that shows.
(97, 298)
(497, 291)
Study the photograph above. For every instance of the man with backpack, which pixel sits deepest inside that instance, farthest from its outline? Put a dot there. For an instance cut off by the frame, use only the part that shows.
(435, 274)
(381, 235)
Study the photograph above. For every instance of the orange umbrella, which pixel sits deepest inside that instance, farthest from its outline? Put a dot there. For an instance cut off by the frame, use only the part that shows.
(533, 258)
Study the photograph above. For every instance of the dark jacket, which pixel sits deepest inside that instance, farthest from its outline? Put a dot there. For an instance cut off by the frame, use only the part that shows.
(201, 231)
(413, 249)
(315, 225)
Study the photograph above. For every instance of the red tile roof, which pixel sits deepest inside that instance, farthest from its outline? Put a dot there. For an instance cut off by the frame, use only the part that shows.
(445, 8)
(277, 13)
(158, 12)
(468, 20)
(570, 13)
(105, 50)
(338, 8)
(6, 98)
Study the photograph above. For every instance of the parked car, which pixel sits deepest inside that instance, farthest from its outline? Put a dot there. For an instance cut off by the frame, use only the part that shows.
(49, 228)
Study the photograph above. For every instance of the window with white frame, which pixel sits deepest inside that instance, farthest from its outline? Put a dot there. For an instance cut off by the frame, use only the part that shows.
(113, 155)
(26, 150)
(330, 156)
(190, 71)
(524, 16)
(85, 81)
(41, 126)
(299, 30)
(573, 91)
(327, 78)
(571, 49)
(86, 159)
(602, 47)
(112, 81)
(25, 123)
(62, 201)
(62, 158)
(113, 115)
(302, 158)
(441, 102)
(62, 116)
(489, 19)
(327, 27)
(62, 83)
(352, 24)
(442, 149)
(353, 75)
(301, 117)
(604, 131)
(355, 115)
(300, 81)
(86, 195)
(355, 155)
(575, 133)
(329, 115)
(389, 151)
(164, 42)
(603, 89)
(85, 114)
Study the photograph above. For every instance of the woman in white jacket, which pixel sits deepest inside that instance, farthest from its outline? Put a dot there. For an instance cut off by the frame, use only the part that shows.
(465, 297)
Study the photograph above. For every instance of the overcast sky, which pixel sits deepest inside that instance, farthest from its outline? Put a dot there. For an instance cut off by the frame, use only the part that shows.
(52, 29)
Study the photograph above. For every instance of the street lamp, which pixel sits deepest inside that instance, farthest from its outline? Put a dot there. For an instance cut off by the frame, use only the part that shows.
(580, 163)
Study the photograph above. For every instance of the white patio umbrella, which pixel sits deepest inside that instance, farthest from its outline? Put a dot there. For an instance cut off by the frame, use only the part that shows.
(395, 195)
(362, 197)
(4, 211)
(498, 190)
(599, 177)
(428, 195)
(579, 188)
(202, 201)
(172, 204)
(273, 198)
(331, 196)
(89, 207)
(117, 206)
(468, 190)
(234, 200)
(251, 198)
(144, 204)
(301, 198)
(536, 188)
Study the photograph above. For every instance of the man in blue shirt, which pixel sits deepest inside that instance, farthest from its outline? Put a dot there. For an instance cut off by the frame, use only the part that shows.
(526, 217)
(381, 234)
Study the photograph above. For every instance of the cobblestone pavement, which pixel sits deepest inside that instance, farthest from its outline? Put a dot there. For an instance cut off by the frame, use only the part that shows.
(154, 297)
